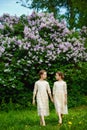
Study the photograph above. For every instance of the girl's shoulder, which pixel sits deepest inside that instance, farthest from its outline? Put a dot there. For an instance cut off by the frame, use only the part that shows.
(37, 82)
(40, 81)
(64, 82)
(46, 82)
(56, 82)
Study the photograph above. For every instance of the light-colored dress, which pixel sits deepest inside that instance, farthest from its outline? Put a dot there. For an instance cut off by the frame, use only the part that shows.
(41, 90)
(59, 92)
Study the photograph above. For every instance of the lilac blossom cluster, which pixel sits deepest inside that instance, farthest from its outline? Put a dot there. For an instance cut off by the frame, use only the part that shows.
(9, 20)
(45, 39)
(52, 38)
(83, 30)
(83, 34)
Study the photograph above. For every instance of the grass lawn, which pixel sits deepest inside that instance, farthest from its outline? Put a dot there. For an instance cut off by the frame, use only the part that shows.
(28, 120)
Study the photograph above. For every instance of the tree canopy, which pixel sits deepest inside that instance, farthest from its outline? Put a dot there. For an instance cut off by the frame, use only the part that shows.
(76, 10)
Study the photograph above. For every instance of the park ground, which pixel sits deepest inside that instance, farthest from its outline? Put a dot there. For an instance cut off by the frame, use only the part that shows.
(76, 119)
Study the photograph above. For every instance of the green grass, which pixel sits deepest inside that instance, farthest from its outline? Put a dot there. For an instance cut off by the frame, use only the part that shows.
(28, 120)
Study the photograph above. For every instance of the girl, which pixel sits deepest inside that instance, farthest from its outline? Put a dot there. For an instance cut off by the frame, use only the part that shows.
(41, 91)
(60, 96)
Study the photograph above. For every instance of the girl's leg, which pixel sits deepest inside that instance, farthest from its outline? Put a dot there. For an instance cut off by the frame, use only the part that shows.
(42, 121)
(60, 117)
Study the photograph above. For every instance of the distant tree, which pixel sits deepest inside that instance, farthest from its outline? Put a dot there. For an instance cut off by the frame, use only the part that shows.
(76, 10)
(44, 5)
(76, 13)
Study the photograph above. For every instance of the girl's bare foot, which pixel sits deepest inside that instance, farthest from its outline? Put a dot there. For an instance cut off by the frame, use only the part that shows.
(60, 121)
(44, 125)
(40, 122)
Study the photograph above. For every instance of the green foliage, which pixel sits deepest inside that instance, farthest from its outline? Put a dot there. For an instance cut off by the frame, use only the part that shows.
(75, 14)
(28, 120)
(24, 55)
(14, 99)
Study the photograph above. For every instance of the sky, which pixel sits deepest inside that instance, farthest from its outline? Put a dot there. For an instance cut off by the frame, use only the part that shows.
(12, 8)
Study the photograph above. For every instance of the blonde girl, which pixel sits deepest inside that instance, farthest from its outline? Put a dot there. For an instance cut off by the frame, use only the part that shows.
(41, 92)
(60, 96)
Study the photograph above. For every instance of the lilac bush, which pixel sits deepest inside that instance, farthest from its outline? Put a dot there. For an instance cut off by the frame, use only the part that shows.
(30, 43)
(83, 34)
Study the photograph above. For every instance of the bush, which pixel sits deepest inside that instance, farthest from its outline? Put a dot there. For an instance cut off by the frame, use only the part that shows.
(39, 41)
